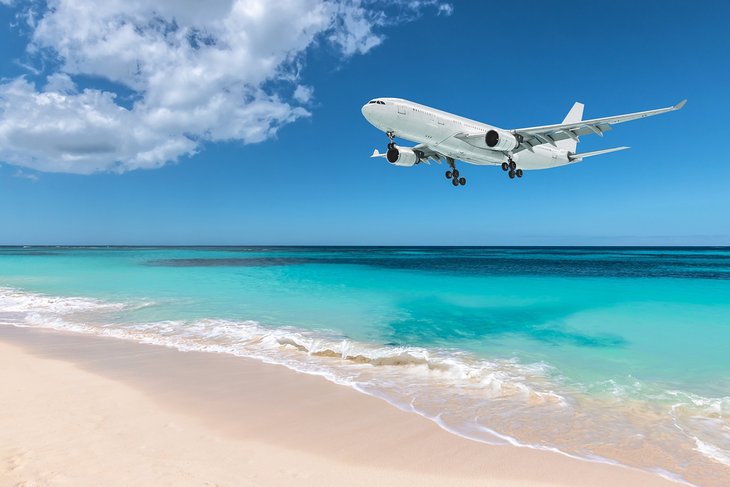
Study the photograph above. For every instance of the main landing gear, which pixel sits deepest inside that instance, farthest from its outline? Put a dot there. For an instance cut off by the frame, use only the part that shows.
(453, 174)
(511, 168)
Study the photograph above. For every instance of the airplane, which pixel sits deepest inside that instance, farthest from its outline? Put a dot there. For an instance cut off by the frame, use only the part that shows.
(443, 136)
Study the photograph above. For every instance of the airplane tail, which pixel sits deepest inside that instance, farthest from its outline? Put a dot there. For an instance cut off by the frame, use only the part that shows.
(574, 115)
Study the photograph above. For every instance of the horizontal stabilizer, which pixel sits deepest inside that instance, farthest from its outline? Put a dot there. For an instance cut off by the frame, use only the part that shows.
(377, 154)
(579, 157)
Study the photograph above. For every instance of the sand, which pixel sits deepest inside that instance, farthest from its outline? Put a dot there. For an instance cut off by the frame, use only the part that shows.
(77, 410)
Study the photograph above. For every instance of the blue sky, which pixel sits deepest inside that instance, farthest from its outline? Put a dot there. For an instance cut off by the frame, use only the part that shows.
(283, 167)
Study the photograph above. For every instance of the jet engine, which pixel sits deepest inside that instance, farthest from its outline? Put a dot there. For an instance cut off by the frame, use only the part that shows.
(402, 156)
(501, 140)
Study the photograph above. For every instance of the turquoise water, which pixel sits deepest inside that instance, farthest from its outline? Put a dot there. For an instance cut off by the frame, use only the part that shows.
(614, 354)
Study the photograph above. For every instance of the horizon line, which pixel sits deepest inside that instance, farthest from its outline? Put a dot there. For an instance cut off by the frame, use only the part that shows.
(102, 246)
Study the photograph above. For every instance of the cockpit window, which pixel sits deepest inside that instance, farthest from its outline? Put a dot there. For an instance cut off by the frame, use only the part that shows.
(372, 101)
(381, 102)
(378, 102)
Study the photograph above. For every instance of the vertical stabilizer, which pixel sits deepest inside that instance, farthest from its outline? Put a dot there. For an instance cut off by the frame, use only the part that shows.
(574, 115)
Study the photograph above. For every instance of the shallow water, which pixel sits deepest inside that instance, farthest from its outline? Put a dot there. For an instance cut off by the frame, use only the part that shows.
(613, 354)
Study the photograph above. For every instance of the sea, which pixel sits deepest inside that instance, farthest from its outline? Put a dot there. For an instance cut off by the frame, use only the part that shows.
(617, 355)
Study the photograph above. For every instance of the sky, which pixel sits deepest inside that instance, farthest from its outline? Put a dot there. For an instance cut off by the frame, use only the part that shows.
(237, 122)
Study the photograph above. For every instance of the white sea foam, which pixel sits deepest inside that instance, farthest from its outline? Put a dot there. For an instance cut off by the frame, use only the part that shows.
(713, 452)
(705, 421)
(13, 300)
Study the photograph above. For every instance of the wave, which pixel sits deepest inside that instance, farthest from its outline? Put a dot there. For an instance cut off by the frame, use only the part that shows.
(281, 344)
(496, 401)
(13, 300)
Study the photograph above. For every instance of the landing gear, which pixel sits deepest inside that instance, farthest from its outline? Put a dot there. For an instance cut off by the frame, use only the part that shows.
(453, 174)
(391, 137)
(511, 167)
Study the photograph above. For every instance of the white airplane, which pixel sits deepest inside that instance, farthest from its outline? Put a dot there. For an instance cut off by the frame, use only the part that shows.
(443, 136)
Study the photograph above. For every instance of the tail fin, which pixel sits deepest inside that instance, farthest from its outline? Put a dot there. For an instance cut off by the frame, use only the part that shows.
(574, 115)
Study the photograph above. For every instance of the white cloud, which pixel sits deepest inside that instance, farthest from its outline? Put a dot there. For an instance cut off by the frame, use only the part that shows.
(303, 94)
(26, 175)
(196, 71)
(445, 9)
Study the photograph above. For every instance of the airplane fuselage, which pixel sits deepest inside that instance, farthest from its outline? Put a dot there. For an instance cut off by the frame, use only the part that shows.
(438, 130)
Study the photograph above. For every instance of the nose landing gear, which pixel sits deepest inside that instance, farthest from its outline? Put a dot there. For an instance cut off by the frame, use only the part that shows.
(453, 174)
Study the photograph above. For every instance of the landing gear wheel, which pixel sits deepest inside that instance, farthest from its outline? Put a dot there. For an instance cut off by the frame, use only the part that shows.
(448, 175)
(518, 173)
(455, 173)
(462, 181)
(455, 182)
(511, 174)
(505, 166)
(512, 165)
(391, 146)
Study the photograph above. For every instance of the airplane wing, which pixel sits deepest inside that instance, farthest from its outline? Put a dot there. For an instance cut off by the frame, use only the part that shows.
(549, 134)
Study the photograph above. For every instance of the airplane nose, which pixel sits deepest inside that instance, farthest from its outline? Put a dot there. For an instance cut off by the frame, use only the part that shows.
(367, 111)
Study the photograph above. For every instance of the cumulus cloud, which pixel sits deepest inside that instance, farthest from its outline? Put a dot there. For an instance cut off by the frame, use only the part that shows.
(176, 74)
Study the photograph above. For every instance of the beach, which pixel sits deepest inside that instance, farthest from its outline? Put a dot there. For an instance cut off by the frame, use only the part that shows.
(420, 362)
(81, 410)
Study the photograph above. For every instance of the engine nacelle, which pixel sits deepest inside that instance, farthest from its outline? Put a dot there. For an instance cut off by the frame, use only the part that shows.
(501, 140)
(402, 156)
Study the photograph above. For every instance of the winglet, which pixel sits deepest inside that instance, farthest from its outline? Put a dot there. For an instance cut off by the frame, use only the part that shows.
(680, 104)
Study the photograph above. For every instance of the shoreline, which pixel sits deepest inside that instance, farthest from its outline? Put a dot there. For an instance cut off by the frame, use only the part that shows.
(227, 411)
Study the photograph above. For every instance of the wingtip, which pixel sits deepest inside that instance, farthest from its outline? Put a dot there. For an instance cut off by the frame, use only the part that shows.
(680, 104)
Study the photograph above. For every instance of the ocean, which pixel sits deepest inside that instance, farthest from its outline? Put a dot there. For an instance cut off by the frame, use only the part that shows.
(618, 355)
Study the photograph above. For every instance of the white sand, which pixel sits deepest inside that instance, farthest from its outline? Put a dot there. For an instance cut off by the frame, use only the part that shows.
(78, 411)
